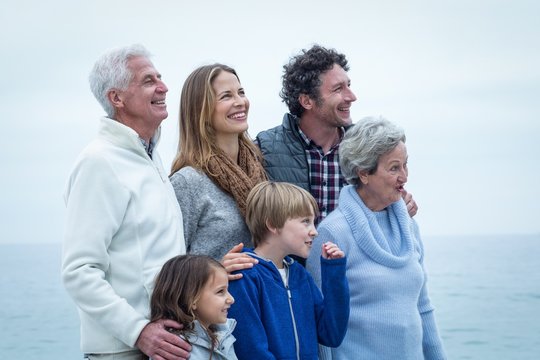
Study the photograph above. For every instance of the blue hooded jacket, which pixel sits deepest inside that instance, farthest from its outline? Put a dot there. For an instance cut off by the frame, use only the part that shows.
(279, 322)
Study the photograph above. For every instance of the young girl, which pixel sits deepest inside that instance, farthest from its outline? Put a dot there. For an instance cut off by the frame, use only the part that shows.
(193, 290)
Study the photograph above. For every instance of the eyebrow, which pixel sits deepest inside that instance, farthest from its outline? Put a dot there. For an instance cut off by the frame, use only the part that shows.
(229, 91)
(150, 75)
(394, 161)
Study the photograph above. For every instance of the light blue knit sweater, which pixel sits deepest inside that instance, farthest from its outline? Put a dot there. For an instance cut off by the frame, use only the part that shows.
(391, 316)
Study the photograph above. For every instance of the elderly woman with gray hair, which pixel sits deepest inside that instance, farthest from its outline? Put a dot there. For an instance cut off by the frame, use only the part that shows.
(391, 316)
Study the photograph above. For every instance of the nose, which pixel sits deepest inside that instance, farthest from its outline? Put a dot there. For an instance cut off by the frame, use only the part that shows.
(230, 298)
(240, 101)
(402, 176)
(349, 95)
(161, 87)
(313, 232)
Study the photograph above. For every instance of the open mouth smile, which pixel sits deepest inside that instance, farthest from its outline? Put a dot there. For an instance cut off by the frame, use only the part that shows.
(238, 116)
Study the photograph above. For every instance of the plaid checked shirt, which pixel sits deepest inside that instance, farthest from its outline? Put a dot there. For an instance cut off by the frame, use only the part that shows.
(149, 147)
(324, 175)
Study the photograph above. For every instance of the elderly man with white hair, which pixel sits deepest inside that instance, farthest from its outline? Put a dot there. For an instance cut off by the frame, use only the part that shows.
(123, 219)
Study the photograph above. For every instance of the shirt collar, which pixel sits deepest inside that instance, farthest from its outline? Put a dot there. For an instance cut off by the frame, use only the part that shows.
(310, 142)
(148, 146)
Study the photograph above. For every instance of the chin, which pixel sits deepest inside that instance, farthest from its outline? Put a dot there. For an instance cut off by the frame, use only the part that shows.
(345, 121)
(161, 117)
(243, 129)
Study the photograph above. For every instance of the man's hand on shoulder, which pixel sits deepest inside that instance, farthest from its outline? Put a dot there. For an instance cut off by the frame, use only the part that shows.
(160, 344)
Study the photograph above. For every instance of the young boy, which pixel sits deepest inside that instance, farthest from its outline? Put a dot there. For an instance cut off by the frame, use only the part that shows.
(281, 313)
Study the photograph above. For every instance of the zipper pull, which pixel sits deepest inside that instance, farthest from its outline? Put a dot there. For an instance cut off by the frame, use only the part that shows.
(289, 292)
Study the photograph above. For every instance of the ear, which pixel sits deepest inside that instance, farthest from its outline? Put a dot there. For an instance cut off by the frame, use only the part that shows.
(194, 306)
(115, 97)
(272, 229)
(306, 101)
(363, 176)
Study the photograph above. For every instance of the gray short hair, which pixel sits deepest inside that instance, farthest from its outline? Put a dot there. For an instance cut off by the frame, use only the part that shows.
(111, 72)
(363, 145)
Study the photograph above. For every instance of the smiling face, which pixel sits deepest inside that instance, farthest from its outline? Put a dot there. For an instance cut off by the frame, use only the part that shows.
(214, 300)
(297, 235)
(335, 98)
(142, 105)
(231, 107)
(385, 185)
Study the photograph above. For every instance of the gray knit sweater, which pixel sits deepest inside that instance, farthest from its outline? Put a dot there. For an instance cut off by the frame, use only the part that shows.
(212, 222)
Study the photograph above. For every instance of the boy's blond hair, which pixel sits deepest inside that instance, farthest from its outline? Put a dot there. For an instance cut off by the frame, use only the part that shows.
(273, 203)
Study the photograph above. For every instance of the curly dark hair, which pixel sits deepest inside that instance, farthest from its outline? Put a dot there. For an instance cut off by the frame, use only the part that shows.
(301, 75)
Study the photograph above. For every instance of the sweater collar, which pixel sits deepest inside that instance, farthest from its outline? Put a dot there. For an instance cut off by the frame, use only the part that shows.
(124, 136)
(366, 229)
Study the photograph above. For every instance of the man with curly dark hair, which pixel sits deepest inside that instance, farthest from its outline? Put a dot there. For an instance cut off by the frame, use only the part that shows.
(303, 150)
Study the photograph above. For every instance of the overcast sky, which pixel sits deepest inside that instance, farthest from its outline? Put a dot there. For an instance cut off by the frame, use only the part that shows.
(461, 77)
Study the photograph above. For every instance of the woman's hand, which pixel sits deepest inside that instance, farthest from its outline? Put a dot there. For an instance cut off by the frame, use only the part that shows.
(331, 251)
(235, 260)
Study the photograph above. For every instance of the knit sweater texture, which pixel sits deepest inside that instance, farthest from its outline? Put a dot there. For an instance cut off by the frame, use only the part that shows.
(279, 322)
(391, 316)
(213, 223)
(123, 223)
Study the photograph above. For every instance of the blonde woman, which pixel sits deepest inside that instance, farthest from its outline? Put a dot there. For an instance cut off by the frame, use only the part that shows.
(217, 163)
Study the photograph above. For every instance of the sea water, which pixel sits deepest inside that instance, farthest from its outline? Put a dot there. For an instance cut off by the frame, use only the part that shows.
(486, 291)
(37, 318)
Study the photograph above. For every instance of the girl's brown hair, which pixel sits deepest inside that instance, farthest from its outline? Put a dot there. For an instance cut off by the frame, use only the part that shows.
(178, 287)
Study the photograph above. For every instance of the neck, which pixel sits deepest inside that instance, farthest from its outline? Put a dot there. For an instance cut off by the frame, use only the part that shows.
(204, 325)
(369, 200)
(270, 252)
(229, 145)
(142, 128)
(320, 132)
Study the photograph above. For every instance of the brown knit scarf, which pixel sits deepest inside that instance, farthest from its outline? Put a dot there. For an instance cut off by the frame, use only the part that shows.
(237, 179)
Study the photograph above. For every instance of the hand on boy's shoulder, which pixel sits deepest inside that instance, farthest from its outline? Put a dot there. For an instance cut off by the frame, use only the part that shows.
(331, 251)
(236, 260)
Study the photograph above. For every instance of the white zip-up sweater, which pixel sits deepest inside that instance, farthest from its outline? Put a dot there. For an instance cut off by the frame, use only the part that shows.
(123, 223)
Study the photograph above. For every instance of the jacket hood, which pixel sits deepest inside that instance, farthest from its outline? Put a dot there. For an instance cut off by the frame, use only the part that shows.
(287, 261)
